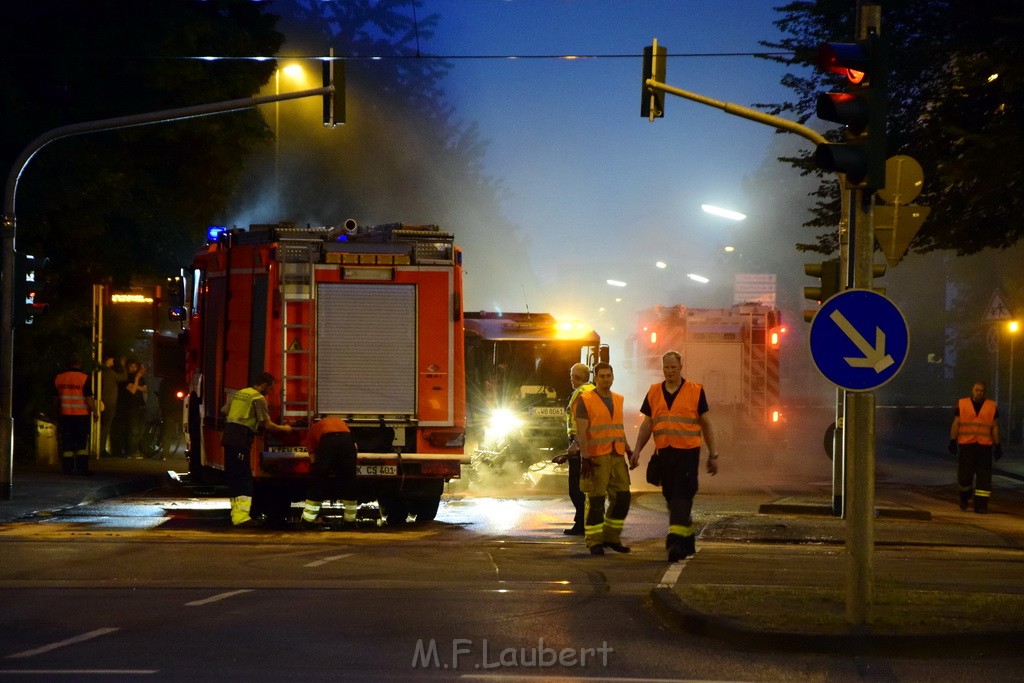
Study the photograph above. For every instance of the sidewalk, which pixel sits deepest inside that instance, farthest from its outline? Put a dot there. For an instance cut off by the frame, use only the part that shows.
(775, 580)
(39, 487)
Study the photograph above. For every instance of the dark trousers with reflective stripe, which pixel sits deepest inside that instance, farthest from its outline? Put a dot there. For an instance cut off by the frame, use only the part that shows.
(974, 473)
(334, 469)
(679, 467)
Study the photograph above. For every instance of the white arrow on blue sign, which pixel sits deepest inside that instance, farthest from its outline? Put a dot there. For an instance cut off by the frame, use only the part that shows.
(859, 340)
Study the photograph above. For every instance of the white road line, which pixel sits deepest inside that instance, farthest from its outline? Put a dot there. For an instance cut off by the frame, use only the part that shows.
(61, 643)
(317, 563)
(219, 596)
(78, 672)
(671, 575)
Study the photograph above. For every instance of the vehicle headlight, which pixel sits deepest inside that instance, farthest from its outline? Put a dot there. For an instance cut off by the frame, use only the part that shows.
(501, 423)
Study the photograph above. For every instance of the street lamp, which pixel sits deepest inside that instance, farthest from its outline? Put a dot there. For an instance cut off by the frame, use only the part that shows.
(294, 72)
(1012, 327)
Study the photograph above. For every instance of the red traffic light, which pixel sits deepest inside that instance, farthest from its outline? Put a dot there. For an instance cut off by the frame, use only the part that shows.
(846, 59)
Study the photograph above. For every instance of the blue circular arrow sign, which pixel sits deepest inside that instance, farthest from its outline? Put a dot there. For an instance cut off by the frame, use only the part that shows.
(859, 340)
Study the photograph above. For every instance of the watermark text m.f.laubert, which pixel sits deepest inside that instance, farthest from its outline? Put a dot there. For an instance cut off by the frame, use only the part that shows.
(467, 653)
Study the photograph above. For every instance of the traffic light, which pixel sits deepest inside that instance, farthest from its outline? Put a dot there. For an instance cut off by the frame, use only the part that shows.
(28, 284)
(652, 102)
(828, 272)
(334, 103)
(862, 108)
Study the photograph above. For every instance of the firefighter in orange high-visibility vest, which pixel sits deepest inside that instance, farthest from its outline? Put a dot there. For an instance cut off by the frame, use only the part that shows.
(333, 454)
(246, 412)
(75, 404)
(975, 433)
(604, 473)
(675, 412)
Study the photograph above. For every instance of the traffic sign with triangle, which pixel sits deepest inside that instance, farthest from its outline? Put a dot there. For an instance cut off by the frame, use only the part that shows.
(998, 309)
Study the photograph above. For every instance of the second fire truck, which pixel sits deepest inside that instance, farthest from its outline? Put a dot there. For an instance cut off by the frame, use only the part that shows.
(733, 352)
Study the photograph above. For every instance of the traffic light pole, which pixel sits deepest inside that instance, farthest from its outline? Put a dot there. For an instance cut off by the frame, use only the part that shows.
(860, 436)
(741, 111)
(8, 225)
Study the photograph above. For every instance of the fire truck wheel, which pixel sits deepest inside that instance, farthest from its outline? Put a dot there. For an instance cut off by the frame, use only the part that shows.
(425, 509)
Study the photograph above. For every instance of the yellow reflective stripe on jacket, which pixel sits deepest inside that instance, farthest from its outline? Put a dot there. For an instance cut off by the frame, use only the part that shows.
(976, 429)
(678, 426)
(605, 433)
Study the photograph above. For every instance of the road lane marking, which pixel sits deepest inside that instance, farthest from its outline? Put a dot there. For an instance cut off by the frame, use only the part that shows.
(671, 575)
(216, 598)
(318, 563)
(78, 672)
(61, 643)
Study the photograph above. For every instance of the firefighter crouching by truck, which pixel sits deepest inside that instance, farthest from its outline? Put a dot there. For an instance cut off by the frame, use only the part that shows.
(333, 454)
(246, 412)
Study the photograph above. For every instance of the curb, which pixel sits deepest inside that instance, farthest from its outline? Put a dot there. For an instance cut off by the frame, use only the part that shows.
(125, 487)
(673, 611)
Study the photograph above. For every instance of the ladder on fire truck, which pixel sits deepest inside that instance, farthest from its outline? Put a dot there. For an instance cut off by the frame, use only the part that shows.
(298, 255)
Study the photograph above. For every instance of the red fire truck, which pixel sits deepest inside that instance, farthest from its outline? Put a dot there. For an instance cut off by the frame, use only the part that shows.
(364, 323)
(733, 352)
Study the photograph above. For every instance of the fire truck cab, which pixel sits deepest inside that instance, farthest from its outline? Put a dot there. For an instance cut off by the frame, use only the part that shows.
(517, 385)
(359, 322)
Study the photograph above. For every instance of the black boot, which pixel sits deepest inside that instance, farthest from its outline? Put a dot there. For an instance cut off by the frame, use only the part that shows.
(965, 496)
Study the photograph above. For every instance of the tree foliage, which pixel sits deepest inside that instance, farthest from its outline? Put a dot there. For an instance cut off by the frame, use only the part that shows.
(956, 104)
(124, 206)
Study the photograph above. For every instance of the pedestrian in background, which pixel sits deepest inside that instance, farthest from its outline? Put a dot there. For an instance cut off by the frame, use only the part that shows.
(676, 413)
(332, 452)
(975, 434)
(579, 378)
(131, 409)
(603, 472)
(110, 375)
(246, 412)
(75, 407)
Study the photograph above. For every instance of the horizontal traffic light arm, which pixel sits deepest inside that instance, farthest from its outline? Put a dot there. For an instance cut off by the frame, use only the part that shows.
(741, 111)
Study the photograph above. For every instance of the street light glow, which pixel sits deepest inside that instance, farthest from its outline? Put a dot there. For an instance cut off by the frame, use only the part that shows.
(1013, 325)
(661, 264)
(616, 283)
(724, 213)
(730, 249)
(698, 278)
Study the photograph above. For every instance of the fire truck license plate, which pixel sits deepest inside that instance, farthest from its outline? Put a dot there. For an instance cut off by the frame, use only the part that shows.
(547, 411)
(377, 470)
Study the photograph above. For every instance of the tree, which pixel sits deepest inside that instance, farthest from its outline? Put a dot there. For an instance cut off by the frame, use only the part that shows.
(402, 156)
(956, 105)
(125, 205)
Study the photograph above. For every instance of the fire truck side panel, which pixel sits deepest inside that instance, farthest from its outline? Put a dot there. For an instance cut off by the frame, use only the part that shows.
(717, 367)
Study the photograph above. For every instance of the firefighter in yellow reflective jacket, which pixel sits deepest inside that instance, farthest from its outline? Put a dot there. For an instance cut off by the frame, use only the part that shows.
(976, 431)
(603, 449)
(579, 377)
(675, 412)
(246, 412)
